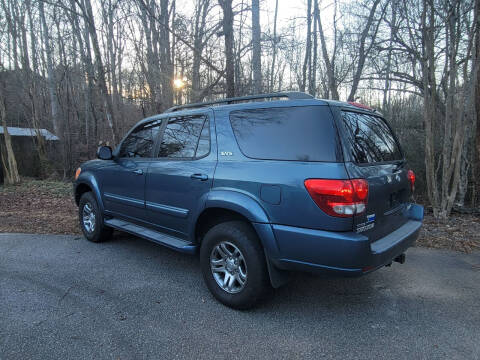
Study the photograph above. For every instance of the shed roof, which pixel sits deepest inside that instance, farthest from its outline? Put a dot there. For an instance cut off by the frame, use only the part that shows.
(17, 131)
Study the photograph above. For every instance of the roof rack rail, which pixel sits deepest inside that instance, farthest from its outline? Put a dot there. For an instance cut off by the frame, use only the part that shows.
(291, 95)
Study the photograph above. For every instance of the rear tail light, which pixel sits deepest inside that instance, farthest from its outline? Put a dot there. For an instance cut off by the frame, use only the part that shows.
(340, 198)
(411, 179)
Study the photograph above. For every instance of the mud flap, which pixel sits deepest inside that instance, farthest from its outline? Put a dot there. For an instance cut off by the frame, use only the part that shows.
(277, 276)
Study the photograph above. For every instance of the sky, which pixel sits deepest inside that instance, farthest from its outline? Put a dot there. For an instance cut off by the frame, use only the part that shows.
(287, 10)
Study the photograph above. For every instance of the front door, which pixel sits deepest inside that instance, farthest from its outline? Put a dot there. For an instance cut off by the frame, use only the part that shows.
(123, 182)
(182, 173)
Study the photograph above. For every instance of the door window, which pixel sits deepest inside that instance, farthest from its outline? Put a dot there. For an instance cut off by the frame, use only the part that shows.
(140, 142)
(186, 137)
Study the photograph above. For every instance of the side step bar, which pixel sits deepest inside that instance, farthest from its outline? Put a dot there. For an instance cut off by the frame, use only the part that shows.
(152, 235)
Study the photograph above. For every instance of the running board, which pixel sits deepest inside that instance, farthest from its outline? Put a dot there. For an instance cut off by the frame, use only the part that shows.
(152, 235)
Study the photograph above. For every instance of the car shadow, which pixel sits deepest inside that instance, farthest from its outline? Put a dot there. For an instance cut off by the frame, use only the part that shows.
(303, 291)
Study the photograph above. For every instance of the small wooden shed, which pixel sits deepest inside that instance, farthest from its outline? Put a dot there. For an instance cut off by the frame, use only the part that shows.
(24, 147)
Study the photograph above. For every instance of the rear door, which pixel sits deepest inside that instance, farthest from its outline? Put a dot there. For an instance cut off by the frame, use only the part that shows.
(182, 172)
(372, 152)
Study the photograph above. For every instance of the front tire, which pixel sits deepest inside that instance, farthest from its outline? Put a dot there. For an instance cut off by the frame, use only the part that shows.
(91, 219)
(233, 265)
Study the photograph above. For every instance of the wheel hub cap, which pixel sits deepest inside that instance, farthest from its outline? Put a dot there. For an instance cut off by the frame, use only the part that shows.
(228, 266)
(88, 218)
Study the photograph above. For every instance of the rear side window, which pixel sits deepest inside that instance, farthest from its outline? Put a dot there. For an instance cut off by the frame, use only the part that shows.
(303, 133)
(186, 137)
(369, 139)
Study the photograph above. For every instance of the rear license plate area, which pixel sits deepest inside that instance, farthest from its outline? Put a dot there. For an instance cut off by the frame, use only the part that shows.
(397, 198)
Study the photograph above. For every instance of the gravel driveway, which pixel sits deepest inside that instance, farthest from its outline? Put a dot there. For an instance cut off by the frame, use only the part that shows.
(63, 297)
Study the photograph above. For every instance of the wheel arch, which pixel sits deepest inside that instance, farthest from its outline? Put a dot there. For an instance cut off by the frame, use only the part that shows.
(227, 205)
(85, 183)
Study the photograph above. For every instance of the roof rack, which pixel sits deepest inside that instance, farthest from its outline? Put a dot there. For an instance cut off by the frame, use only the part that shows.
(291, 95)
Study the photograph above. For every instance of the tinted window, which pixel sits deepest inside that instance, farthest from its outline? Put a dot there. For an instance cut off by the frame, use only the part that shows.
(186, 137)
(141, 140)
(369, 139)
(302, 133)
(203, 147)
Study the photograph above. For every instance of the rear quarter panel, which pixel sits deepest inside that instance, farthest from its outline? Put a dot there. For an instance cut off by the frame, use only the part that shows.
(277, 186)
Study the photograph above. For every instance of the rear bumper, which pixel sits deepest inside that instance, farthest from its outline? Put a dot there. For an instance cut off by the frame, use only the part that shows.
(346, 253)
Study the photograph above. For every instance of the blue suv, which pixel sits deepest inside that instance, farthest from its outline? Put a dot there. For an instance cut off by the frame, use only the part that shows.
(258, 186)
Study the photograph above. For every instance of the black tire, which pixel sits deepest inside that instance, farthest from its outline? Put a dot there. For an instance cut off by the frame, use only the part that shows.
(242, 236)
(100, 231)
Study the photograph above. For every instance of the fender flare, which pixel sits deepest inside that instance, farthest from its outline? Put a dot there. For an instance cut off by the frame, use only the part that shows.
(247, 206)
(241, 202)
(87, 178)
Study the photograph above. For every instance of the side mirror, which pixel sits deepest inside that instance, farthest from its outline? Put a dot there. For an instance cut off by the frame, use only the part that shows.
(104, 153)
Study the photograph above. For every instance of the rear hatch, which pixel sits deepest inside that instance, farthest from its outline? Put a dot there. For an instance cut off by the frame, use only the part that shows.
(372, 152)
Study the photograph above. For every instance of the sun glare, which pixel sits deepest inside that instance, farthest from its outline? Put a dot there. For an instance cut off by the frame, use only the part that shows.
(178, 83)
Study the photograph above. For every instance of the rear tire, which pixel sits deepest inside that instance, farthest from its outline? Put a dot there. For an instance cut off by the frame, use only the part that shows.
(233, 265)
(91, 219)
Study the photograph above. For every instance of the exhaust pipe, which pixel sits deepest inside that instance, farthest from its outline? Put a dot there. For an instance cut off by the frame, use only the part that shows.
(400, 258)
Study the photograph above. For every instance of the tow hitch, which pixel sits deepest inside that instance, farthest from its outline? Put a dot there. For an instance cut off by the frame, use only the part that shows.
(400, 259)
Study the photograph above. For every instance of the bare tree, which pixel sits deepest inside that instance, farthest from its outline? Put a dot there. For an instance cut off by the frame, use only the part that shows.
(329, 62)
(312, 82)
(89, 69)
(274, 47)
(166, 62)
(86, 8)
(199, 42)
(228, 35)
(257, 49)
(9, 162)
(476, 78)
(364, 48)
(52, 83)
(308, 47)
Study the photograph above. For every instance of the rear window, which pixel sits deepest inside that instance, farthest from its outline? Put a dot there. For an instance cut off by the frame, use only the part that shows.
(302, 133)
(369, 139)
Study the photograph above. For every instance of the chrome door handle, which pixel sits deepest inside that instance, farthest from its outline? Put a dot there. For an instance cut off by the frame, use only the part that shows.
(201, 177)
(138, 171)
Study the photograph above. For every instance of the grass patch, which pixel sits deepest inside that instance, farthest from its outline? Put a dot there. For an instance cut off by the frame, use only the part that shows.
(53, 188)
(38, 206)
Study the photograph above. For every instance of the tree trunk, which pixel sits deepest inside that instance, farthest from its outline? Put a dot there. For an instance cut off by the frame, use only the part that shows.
(229, 56)
(166, 63)
(312, 82)
(274, 50)
(430, 107)
(87, 66)
(52, 83)
(477, 89)
(257, 50)
(308, 48)
(388, 83)
(102, 84)
(9, 163)
(332, 83)
(198, 43)
(362, 52)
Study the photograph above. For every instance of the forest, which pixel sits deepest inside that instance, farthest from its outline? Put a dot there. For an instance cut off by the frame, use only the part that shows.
(87, 70)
